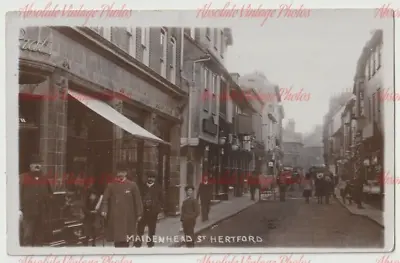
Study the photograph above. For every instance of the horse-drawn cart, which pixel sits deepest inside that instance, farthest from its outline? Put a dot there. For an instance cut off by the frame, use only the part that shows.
(267, 187)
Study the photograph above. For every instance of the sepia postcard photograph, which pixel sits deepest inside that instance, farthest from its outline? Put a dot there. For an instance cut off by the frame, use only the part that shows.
(218, 130)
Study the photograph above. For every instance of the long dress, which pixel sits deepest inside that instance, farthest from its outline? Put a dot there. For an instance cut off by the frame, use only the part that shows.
(123, 204)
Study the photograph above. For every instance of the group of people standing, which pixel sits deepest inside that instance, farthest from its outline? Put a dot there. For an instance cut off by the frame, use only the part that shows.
(322, 184)
(124, 207)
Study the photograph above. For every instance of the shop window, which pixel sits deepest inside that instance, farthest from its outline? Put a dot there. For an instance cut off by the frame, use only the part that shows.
(208, 33)
(145, 43)
(29, 134)
(192, 32)
(173, 62)
(163, 58)
(216, 38)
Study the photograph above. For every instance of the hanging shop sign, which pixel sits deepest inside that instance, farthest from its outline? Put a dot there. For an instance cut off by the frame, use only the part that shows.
(32, 45)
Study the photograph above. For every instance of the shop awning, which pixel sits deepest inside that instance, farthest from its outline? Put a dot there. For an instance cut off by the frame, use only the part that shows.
(109, 113)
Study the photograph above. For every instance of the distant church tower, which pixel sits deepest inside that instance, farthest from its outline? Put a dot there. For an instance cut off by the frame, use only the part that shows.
(291, 126)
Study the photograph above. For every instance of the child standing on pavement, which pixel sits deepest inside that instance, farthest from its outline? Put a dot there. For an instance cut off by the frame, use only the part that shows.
(189, 212)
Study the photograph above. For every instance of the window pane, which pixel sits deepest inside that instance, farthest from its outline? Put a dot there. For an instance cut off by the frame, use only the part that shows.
(143, 36)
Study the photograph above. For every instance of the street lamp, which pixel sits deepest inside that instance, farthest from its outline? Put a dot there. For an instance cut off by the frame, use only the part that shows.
(222, 140)
(235, 147)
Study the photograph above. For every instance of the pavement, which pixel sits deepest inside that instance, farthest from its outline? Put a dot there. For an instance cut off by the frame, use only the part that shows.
(171, 226)
(371, 212)
(295, 224)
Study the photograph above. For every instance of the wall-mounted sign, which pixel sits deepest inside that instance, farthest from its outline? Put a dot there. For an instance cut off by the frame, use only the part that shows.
(28, 124)
(270, 164)
(34, 45)
(209, 126)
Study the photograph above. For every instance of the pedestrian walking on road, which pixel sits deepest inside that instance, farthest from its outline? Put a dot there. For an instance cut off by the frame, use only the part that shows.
(358, 190)
(152, 196)
(204, 194)
(122, 207)
(319, 187)
(253, 181)
(342, 187)
(282, 183)
(189, 213)
(308, 187)
(35, 194)
(328, 187)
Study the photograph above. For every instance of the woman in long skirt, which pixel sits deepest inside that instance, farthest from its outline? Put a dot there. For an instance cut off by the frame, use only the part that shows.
(308, 187)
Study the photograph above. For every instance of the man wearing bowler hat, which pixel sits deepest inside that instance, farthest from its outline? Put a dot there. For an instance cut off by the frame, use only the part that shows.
(152, 197)
(205, 195)
(122, 207)
(35, 193)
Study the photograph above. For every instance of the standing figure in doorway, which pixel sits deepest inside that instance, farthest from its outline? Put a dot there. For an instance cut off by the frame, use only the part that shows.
(152, 196)
(35, 193)
(189, 213)
(205, 195)
(122, 207)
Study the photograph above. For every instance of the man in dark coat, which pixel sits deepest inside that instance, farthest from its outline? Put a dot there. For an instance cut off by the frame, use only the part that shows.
(358, 190)
(35, 193)
(328, 185)
(189, 214)
(205, 194)
(253, 181)
(122, 207)
(281, 181)
(152, 196)
(319, 186)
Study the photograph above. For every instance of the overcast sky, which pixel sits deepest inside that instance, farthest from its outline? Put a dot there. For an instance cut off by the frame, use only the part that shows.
(317, 54)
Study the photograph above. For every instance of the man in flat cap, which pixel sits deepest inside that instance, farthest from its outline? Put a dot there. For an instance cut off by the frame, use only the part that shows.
(35, 193)
(189, 213)
(122, 207)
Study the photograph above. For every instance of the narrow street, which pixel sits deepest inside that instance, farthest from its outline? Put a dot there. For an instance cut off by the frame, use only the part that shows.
(296, 224)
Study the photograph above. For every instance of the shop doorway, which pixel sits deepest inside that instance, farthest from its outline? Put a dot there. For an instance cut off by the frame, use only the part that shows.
(89, 148)
(29, 133)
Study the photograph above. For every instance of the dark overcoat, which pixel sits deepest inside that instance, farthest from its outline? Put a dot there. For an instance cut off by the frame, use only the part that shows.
(123, 205)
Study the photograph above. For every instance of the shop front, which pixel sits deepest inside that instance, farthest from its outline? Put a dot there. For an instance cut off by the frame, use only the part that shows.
(209, 152)
(82, 126)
